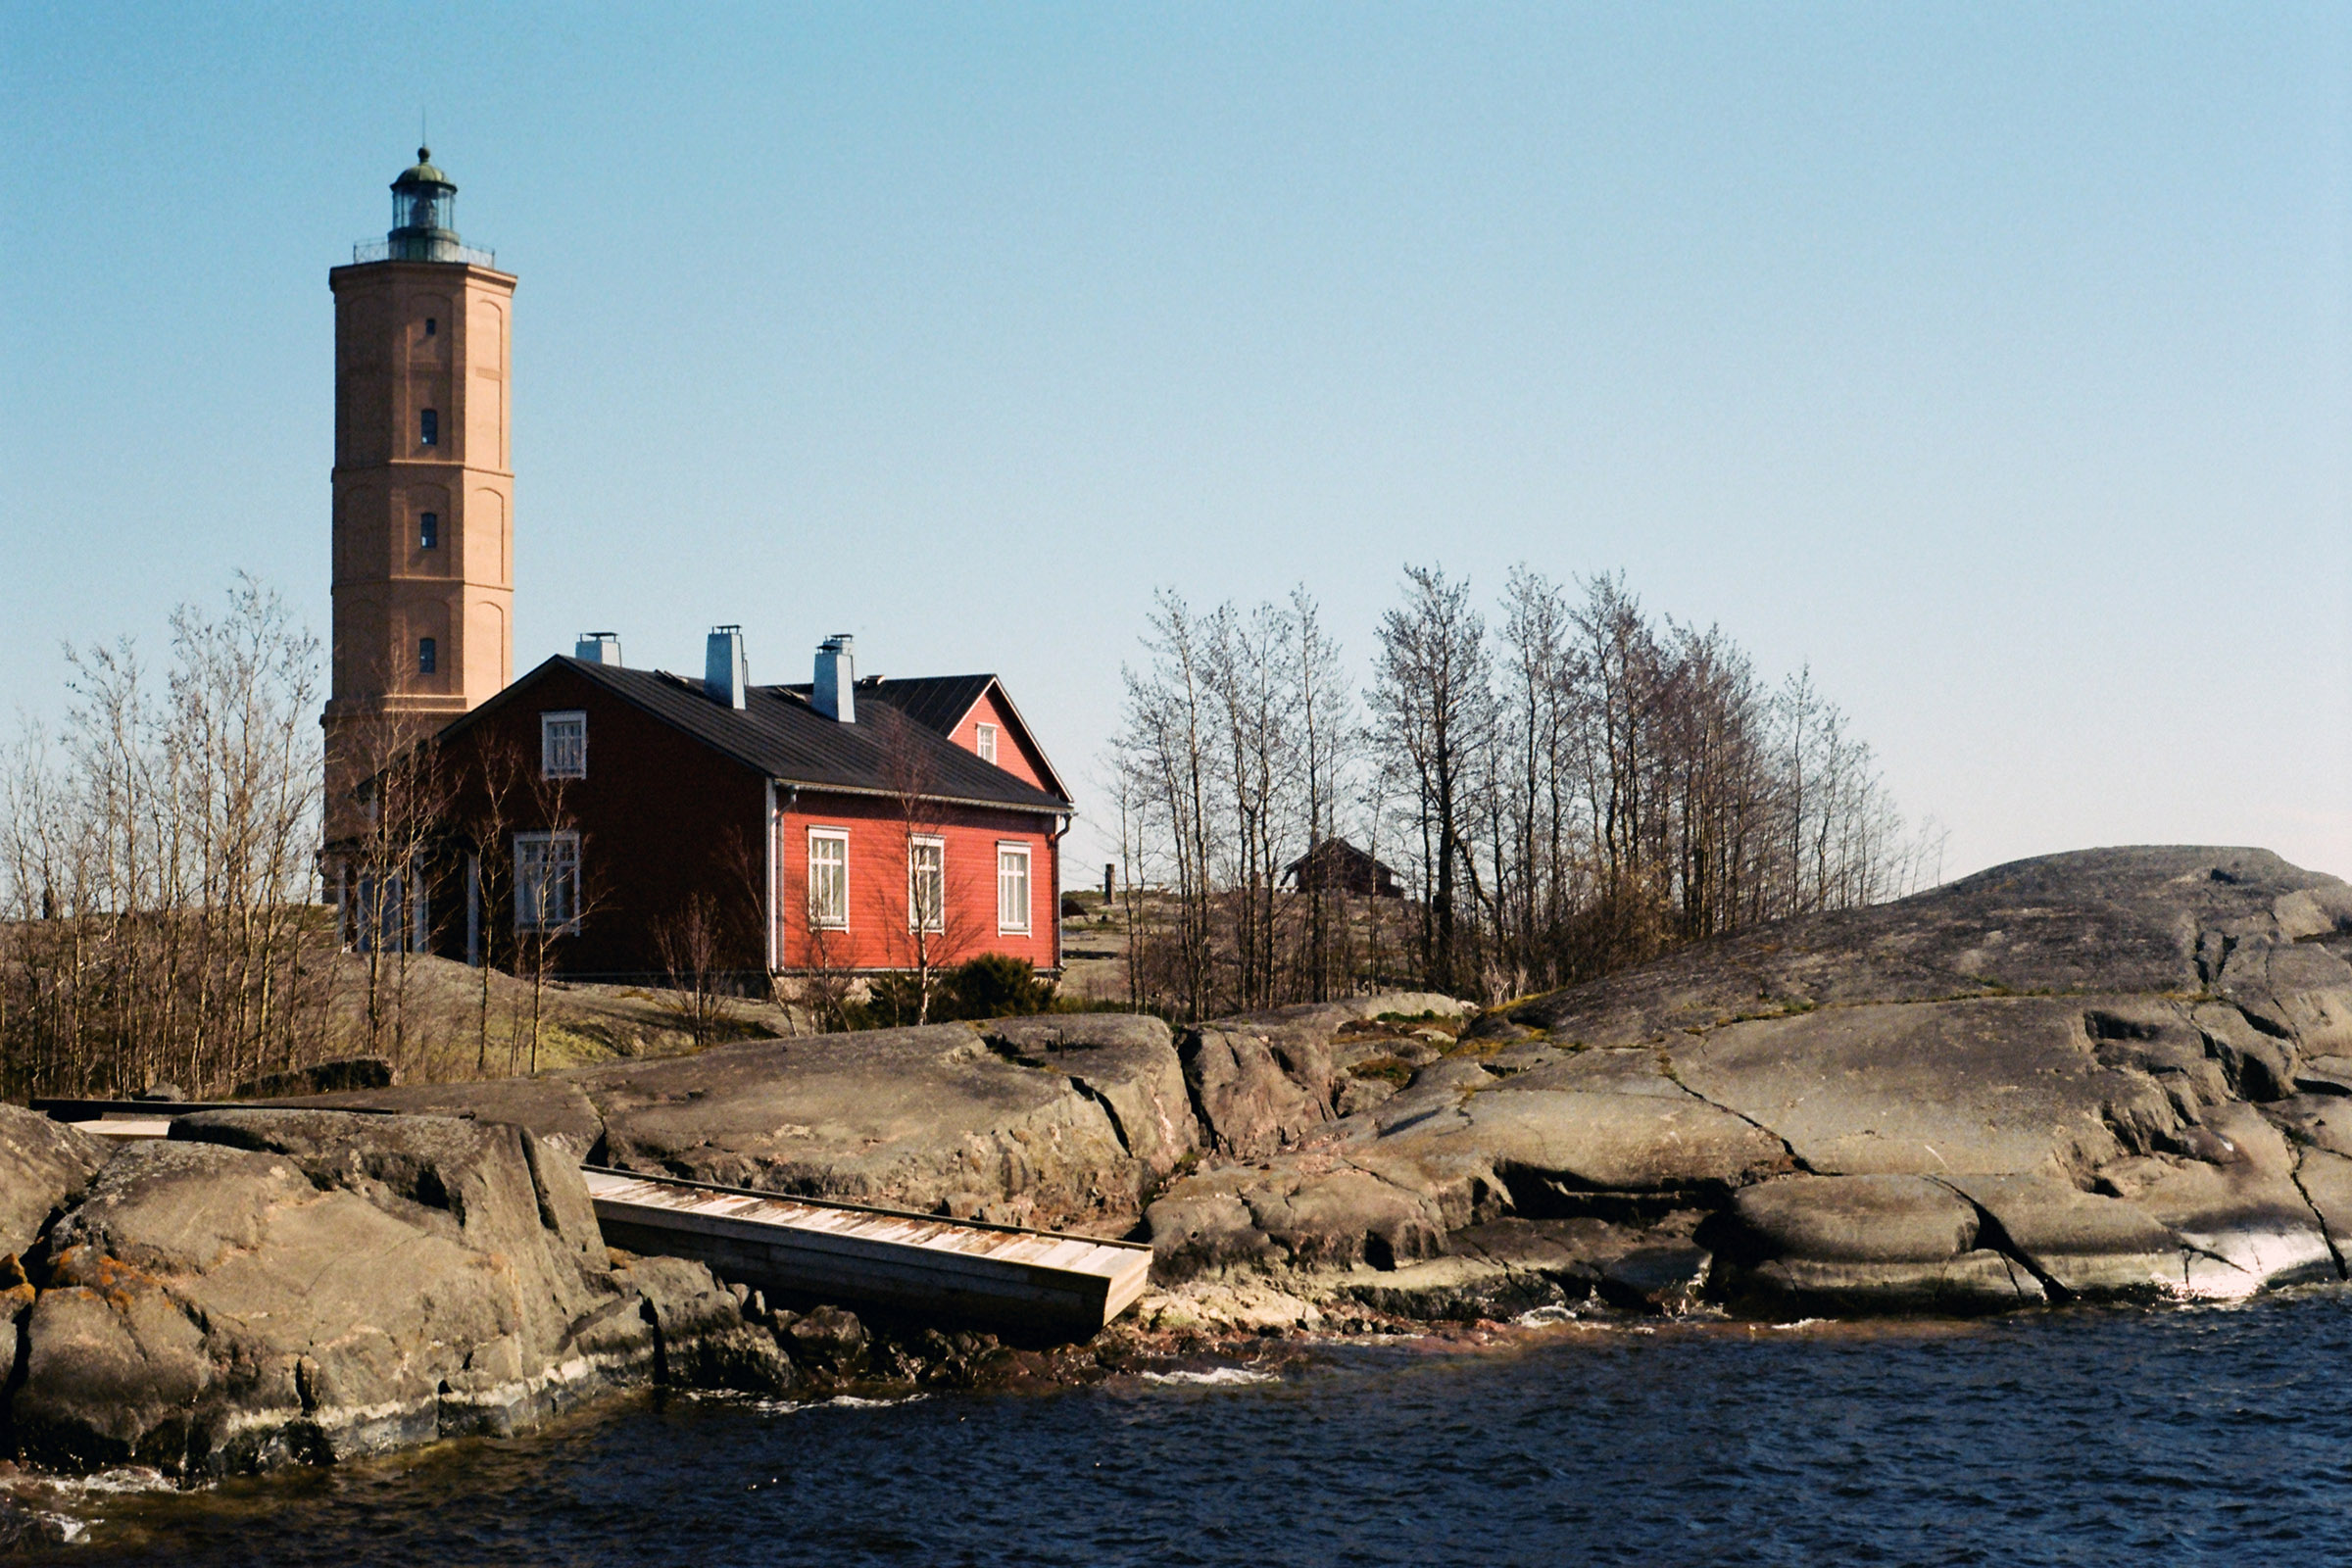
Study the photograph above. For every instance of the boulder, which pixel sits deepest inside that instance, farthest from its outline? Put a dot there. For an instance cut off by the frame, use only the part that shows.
(927, 1118)
(1875, 1244)
(1853, 1219)
(2000, 1084)
(2073, 1077)
(829, 1339)
(702, 1339)
(1127, 1063)
(24, 1529)
(1560, 1150)
(1265, 1081)
(45, 1165)
(275, 1286)
(1657, 1279)
(1250, 1106)
(486, 1186)
(1961, 1286)
(2248, 1226)
(1497, 1270)
(1323, 1214)
(2086, 1246)
(553, 1107)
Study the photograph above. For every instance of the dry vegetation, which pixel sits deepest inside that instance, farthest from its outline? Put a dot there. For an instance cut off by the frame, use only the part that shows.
(157, 885)
(1579, 789)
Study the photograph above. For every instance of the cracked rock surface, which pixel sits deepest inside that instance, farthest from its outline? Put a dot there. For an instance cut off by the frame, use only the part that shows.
(276, 1286)
(1065, 1121)
(2124, 1073)
(2111, 1074)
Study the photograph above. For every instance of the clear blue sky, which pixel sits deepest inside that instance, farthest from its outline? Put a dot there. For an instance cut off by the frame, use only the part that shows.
(1992, 360)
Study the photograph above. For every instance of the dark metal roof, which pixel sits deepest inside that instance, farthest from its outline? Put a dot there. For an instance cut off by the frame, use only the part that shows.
(777, 733)
(1338, 850)
(934, 702)
(425, 174)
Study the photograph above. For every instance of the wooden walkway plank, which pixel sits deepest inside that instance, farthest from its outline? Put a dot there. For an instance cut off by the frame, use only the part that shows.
(1034, 1282)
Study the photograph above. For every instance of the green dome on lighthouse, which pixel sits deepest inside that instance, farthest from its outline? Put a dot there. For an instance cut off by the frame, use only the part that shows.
(424, 209)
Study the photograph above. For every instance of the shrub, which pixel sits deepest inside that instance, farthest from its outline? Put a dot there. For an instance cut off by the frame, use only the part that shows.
(992, 987)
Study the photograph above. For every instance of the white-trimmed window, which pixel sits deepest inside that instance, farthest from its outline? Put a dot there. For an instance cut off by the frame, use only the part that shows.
(563, 745)
(926, 884)
(828, 879)
(547, 881)
(1012, 887)
(984, 743)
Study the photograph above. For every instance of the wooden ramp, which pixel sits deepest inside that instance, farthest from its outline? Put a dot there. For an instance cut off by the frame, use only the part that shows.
(1031, 1282)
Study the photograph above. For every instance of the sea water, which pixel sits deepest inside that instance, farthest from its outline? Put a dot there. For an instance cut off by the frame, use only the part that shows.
(2090, 1436)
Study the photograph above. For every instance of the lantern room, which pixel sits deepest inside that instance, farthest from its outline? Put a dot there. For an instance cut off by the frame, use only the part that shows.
(425, 206)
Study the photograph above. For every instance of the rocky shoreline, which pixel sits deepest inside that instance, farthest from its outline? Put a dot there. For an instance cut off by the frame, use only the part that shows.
(2119, 1075)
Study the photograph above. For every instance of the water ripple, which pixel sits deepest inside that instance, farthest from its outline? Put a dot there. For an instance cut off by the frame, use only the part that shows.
(2070, 1437)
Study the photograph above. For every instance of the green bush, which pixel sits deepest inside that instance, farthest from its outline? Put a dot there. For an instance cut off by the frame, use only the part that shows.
(990, 987)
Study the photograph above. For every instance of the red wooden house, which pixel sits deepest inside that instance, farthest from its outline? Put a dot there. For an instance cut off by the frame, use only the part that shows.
(604, 816)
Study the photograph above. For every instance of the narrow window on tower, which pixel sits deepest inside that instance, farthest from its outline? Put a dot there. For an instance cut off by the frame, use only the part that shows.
(428, 427)
(431, 326)
(428, 655)
(428, 532)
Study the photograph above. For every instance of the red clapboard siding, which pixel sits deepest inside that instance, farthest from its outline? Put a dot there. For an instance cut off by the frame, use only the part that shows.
(878, 935)
(662, 820)
(1015, 752)
(668, 819)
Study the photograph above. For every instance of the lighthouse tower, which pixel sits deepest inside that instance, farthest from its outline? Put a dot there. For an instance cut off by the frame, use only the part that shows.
(423, 494)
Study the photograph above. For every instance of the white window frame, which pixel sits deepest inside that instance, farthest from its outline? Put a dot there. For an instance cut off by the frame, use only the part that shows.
(553, 761)
(563, 850)
(984, 741)
(1010, 851)
(915, 845)
(819, 920)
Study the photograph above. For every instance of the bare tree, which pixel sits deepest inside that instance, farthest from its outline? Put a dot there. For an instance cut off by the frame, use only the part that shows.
(1164, 746)
(1433, 701)
(694, 960)
(932, 929)
(398, 816)
(155, 859)
(1589, 787)
(554, 893)
(1327, 747)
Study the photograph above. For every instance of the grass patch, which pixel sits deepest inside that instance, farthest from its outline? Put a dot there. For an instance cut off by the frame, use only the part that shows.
(1389, 1069)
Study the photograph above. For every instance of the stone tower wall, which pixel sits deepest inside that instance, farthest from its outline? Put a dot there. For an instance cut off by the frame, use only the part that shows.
(412, 336)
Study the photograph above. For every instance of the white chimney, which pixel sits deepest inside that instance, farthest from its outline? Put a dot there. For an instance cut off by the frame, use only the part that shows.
(598, 647)
(835, 691)
(725, 676)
